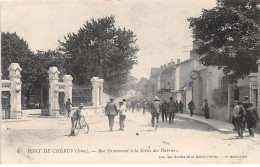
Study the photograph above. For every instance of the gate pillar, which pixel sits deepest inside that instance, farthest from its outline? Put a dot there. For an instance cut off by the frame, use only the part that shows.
(53, 92)
(95, 92)
(101, 92)
(15, 90)
(67, 79)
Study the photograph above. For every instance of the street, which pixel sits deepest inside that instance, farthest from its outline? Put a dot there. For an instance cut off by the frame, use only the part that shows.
(47, 140)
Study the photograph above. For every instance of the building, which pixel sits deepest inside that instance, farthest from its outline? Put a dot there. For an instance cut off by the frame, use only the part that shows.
(190, 80)
(141, 91)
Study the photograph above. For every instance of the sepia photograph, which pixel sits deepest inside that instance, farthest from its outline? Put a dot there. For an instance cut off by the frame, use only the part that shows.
(130, 82)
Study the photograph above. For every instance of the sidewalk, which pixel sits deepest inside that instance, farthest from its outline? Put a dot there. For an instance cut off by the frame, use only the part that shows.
(220, 126)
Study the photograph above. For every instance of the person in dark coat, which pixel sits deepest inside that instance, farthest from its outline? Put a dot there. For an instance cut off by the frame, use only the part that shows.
(252, 118)
(245, 104)
(206, 109)
(164, 110)
(191, 107)
(177, 106)
(181, 106)
(111, 111)
(240, 120)
(171, 109)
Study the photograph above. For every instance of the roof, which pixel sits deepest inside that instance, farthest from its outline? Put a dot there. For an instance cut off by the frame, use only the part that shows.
(169, 68)
(155, 71)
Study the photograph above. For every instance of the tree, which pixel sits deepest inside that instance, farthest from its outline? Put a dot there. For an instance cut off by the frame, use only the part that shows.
(229, 36)
(14, 50)
(99, 49)
(34, 66)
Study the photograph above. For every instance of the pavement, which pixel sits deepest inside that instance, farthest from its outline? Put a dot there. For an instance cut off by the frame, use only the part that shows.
(220, 126)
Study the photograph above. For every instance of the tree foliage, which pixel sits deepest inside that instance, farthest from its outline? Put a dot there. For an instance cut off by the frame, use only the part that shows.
(14, 50)
(99, 49)
(229, 36)
(34, 66)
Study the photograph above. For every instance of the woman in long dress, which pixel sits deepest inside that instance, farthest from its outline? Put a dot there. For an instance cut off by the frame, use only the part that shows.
(206, 109)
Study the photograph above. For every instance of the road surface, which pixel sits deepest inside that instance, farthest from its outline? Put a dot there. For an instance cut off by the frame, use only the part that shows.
(47, 140)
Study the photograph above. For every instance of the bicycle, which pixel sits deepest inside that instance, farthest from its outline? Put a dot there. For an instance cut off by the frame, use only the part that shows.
(81, 125)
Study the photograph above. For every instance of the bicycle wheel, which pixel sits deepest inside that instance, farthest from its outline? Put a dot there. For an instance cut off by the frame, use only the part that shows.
(84, 125)
(77, 128)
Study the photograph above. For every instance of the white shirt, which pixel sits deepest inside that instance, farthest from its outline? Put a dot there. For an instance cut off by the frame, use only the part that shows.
(236, 111)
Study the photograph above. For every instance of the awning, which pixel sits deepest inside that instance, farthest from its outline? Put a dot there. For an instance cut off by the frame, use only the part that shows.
(182, 88)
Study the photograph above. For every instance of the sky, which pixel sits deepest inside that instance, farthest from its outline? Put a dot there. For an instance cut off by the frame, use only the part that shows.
(161, 26)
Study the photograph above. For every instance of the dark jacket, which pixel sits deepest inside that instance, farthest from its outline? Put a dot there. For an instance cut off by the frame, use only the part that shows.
(252, 117)
(180, 105)
(111, 109)
(191, 105)
(171, 107)
(164, 106)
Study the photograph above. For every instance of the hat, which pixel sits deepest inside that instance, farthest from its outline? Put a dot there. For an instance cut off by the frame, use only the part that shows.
(156, 98)
(236, 101)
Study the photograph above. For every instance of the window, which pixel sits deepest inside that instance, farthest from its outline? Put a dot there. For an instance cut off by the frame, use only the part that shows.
(223, 82)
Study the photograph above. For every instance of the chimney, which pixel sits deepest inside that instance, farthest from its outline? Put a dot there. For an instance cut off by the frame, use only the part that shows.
(171, 60)
(161, 66)
(178, 61)
(164, 66)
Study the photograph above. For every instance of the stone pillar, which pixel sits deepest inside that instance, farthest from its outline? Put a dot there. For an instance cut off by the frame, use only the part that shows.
(258, 92)
(15, 99)
(101, 83)
(67, 79)
(95, 92)
(53, 92)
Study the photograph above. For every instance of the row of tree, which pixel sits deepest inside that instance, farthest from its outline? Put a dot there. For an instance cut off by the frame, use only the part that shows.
(97, 49)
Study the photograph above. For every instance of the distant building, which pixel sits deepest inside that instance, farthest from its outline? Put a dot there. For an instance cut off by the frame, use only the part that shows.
(190, 80)
(141, 91)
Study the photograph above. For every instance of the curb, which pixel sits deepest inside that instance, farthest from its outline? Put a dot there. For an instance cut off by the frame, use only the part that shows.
(211, 126)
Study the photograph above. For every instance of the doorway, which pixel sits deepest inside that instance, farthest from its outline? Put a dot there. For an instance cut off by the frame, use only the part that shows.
(6, 104)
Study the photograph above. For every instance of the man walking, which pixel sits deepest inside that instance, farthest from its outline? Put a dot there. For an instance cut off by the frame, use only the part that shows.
(252, 118)
(111, 111)
(155, 110)
(144, 107)
(122, 115)
(171, 109)
(191, 107)
(164, 110)
(235, 115)
(181, 106)
(240, 120)
(246, 105)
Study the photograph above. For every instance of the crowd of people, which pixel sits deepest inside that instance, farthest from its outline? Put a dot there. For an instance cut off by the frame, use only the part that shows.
(244, 113)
